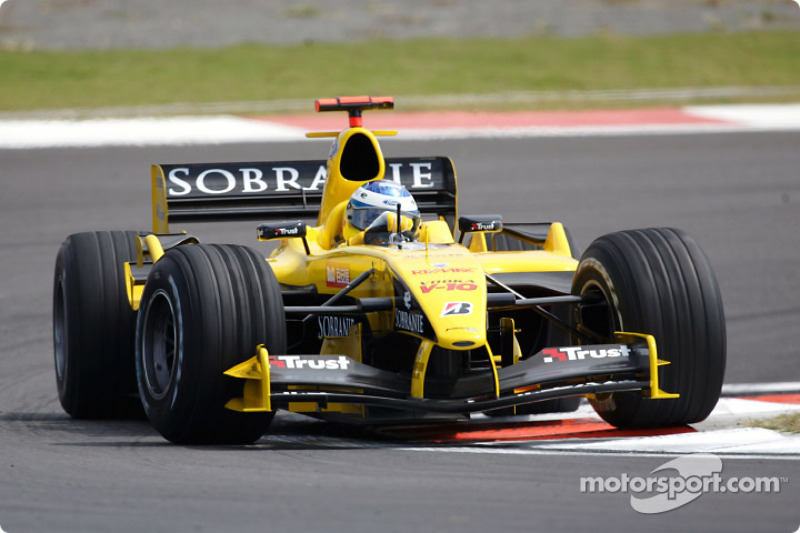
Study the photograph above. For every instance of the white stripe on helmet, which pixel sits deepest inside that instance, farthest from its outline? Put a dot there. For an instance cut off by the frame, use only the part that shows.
(374, 199)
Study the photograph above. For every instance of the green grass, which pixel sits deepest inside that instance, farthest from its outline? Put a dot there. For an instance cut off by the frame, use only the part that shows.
(35, 80)
(789, 423)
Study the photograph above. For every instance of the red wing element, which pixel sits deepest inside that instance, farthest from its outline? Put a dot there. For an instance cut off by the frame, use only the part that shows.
(354, 105)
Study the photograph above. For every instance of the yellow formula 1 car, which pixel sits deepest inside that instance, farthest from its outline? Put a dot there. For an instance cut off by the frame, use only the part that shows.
(390, 307)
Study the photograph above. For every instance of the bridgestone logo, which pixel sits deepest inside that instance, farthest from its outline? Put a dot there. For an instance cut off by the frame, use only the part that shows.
(311, 362)
(578, 353)
(457, 308)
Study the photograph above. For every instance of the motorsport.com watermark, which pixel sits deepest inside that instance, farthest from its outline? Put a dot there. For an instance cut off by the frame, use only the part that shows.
(696, 474)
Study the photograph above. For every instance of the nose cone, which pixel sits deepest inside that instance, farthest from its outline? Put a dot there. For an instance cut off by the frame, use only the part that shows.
(452, 296)
(462, 337)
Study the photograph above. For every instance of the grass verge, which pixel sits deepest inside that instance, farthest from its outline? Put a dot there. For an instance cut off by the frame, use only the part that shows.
(789, 423)
(36, 80)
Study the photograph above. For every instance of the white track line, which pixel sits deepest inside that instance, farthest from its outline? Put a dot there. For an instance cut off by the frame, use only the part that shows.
(734, 389)
(141, 132)
(24, 134)
(737, 441)
(766, 116)
(496, 450)
(718, 434)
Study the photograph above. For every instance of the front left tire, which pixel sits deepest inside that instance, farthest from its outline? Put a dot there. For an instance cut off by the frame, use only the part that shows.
(204, 309)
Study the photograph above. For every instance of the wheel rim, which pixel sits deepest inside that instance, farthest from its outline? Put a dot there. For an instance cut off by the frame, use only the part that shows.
(60, 331)
(159, 345)
(603, 319)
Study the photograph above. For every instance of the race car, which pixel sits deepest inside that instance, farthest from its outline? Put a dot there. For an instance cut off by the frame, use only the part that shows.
(374, 301)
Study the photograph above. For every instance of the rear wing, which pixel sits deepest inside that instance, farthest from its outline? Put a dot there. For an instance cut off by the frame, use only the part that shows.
(282, 190)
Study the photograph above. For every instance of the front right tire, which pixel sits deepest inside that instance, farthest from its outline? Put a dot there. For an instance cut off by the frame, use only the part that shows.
(204, 309)
(93, 326)
(657, 281)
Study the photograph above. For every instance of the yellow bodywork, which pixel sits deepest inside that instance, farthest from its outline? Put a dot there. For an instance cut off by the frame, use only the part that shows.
(446, 279)
(255, 372)
(338, 189)
(655, 391)
(158, 185)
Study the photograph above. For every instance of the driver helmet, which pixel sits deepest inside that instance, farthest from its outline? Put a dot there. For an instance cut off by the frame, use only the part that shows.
(375, 198)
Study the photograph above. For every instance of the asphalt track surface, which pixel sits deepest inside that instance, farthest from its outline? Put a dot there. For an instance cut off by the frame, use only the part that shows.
(736, 193)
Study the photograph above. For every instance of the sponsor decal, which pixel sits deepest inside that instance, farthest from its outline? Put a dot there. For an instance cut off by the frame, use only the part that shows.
(420, 352)
(337, 275)
(448, 285)
(243, 179)
(443, 270)
(480, 223)
(335, 326)
(421, 174)
(484, 226)
(334, 148)
(413, 322)
(272, 230)
(579, 353)
(457, 308)
(311, 362)
(407, 299)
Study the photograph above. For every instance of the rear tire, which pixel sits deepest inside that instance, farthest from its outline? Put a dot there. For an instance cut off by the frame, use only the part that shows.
(93, 326)
(204, 309)
(659, 282)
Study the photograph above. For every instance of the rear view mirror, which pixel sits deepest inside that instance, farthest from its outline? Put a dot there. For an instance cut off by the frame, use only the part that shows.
(283, 230)
(475, 223)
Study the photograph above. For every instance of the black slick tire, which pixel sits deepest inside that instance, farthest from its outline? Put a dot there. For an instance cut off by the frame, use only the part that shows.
(204, 309)
(657, 281)
(93, 326)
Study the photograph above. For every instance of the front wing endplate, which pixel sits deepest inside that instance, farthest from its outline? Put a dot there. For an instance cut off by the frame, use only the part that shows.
(256, 372)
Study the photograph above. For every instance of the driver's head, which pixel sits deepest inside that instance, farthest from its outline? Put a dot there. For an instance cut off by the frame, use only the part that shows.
(375, 198)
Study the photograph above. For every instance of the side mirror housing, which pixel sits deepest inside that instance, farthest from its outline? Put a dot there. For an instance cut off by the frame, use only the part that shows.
(269, 231)
(479, 223)
(281, 230)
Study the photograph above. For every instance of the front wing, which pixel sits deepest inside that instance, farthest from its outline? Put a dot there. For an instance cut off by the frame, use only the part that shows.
(273, 382)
